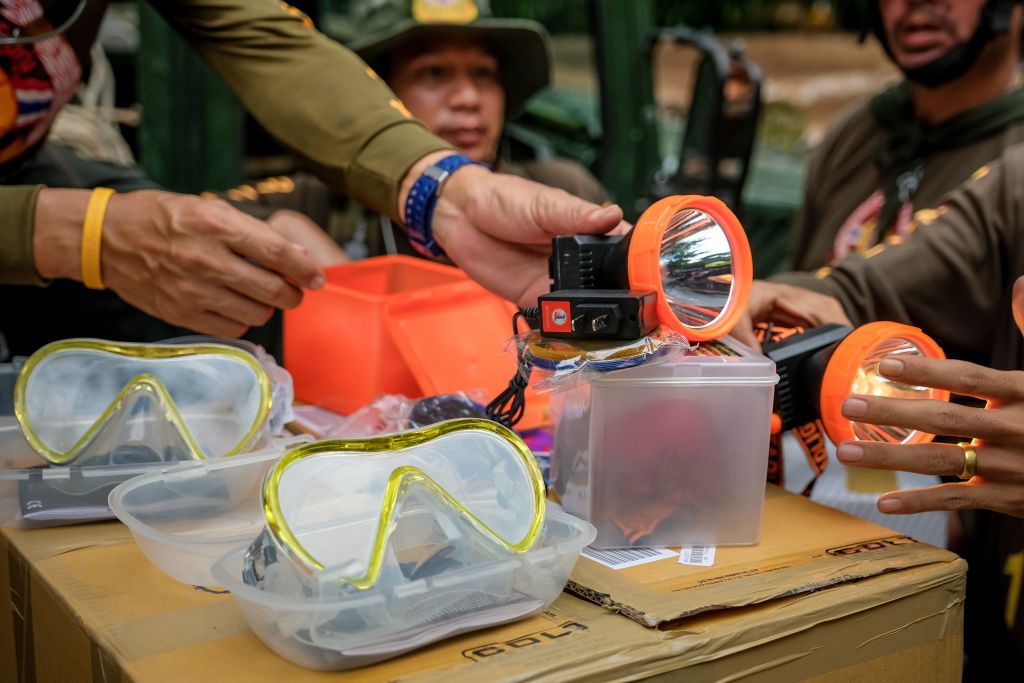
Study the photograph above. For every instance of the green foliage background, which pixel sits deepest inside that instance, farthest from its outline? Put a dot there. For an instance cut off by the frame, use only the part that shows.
(570, 16)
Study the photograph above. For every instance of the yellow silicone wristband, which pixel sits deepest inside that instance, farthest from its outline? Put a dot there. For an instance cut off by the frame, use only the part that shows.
(92, 237)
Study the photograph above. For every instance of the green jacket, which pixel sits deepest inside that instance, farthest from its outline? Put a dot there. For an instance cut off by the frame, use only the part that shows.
(952, 276)
(312, 94)
(362, 231)
(357, 224)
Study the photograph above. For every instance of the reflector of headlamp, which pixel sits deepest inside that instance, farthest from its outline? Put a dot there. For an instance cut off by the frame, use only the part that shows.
(693, 252)
(853, 369)
(160, 402)
(470, 487)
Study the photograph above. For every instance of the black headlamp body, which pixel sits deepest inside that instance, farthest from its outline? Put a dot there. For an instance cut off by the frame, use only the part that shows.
(589, 262)
(800, 361)
(590, 295)
(993, 22)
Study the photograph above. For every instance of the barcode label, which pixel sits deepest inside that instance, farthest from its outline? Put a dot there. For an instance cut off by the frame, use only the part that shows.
(620, 558)
(700, 555)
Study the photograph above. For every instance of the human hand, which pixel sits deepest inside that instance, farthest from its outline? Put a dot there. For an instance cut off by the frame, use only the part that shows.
(788, 306)
(998, 432)
(302, 230)
(498, 228)
(192, 262)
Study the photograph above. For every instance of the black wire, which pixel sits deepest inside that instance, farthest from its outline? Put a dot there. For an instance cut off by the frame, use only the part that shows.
(508, 407)
(767, 338)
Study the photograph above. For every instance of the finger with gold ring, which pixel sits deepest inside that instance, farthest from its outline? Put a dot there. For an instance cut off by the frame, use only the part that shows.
(970, 460)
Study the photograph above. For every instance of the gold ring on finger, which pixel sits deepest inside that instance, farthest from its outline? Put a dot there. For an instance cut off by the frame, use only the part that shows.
(970, 460)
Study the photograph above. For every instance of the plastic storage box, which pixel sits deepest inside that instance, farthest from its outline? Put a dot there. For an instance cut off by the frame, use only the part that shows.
(36, 494)
(399, 325)
(667, 454)
(383, 622)
(185, 517)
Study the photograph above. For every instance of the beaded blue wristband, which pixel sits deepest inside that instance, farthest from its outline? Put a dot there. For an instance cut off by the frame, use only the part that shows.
(419, 206)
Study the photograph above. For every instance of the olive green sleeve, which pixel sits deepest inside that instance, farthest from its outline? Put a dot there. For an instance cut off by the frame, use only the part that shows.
(18, 208)
(952, 276)
(312, 94)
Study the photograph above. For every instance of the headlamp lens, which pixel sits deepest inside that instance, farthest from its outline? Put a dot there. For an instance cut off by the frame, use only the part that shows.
(693, 253)
(868, 381)
(696, 268)
(852, 369)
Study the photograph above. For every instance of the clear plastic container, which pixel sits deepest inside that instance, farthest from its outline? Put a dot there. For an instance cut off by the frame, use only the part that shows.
(34, 493)
(668, 454)
(187, 516)
(363, 627)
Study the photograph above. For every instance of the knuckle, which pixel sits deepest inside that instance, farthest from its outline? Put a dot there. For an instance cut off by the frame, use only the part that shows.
(879, 410)
(957, 500)
(278, 290)
(200, 262)
(948, 419)
(193, 292)
(1016, 381)
(235, 329)
(275, 250)
(232, 278)
(264, 315)
(970, 378)
(877, 455)
(940, 462)
(293, 300)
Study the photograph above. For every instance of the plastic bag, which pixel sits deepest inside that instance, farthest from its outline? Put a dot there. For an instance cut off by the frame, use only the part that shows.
(558, 363)
(392, 413)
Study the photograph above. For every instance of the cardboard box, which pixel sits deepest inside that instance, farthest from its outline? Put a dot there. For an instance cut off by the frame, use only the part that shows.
(804, 547)
(82, 604)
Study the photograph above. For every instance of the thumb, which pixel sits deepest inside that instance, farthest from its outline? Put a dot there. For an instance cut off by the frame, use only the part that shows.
(1018, 303)
(559, 213)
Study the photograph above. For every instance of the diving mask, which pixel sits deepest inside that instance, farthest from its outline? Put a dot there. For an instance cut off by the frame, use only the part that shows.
(349, 515)
(103, 403)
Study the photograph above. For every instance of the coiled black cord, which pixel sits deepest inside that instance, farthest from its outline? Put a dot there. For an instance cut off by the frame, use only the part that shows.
(508, 407)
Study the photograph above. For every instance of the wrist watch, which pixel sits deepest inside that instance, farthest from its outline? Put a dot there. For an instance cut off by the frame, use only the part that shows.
(419, 206)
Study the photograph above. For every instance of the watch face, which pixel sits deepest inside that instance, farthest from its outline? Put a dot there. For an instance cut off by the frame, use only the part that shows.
(436, 173)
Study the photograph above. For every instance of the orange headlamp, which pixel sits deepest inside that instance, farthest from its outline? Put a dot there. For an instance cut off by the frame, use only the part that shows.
(818, 369)
(689, 252)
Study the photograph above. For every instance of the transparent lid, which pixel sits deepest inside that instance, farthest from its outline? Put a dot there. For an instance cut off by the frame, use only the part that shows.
(724, 360)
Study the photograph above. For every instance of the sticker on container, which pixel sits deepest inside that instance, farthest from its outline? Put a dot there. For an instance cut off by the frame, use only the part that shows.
(699, 555)
(621, 558)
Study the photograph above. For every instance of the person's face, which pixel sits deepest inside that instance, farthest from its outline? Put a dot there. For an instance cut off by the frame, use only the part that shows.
(454, 90)
(922, 30)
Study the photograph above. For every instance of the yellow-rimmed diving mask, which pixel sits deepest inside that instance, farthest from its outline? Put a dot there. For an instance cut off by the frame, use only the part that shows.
(96, 402)
(354, 514)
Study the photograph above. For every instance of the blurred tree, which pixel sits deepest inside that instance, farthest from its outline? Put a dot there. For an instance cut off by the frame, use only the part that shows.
(570, 16)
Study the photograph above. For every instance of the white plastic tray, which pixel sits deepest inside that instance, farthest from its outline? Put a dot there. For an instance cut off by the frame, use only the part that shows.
(187, 516)
(377, 624)
(36, 494)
